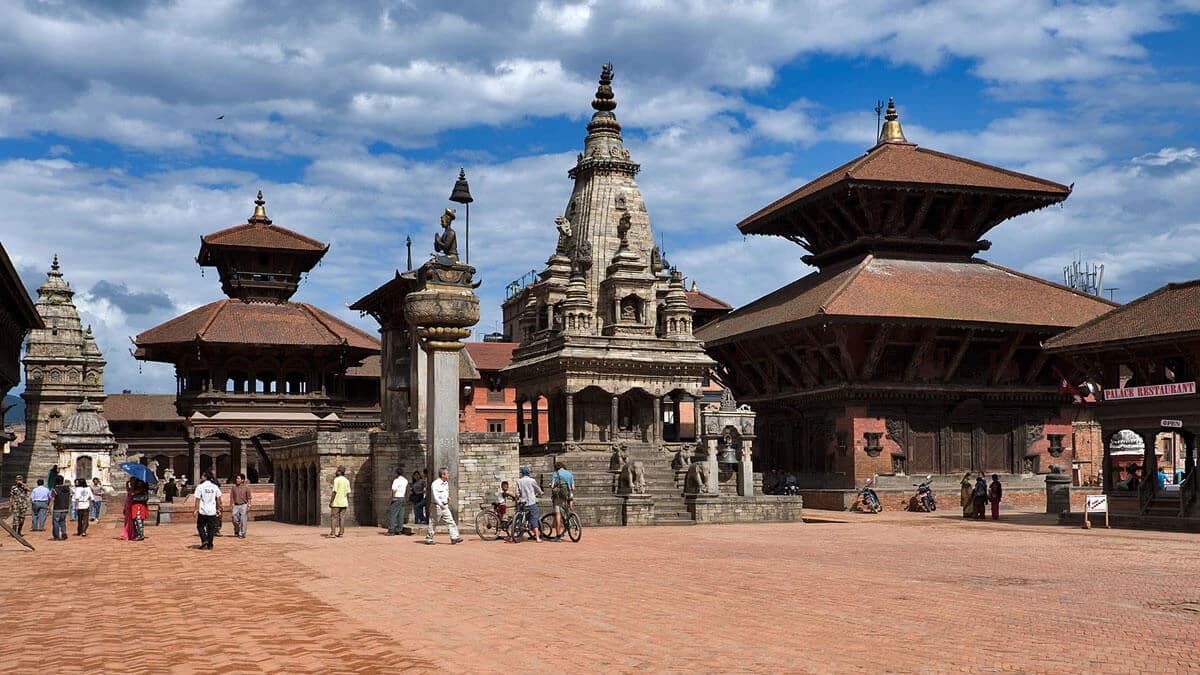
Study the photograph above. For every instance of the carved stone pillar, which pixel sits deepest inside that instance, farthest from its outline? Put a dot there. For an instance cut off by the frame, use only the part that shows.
(443, 309)
(238, 447)
(521, 420)
(745, 475)
(612, 421)
(656, 428)
(534, 425)
(697, 431)
(570, 433)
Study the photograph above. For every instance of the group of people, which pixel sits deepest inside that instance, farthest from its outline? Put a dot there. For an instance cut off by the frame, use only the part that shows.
(206, 507)
(52, 498)
(976, 495)
(562, 497)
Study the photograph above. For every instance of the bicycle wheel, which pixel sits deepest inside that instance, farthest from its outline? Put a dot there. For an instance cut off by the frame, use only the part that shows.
(574, 528)
(516, 529)
(487, 525)
(546, 525)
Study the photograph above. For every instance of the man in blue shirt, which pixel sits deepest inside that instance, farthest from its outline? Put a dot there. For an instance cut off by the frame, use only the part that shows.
(40, 499)
(562, 492)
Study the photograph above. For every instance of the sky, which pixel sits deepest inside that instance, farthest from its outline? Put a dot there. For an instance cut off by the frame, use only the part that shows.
(354, 118)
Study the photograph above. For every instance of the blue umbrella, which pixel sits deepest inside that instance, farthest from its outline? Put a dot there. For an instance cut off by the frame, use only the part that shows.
(139, 471)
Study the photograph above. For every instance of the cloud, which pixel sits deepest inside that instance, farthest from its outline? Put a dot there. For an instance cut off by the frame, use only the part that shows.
(129, 301)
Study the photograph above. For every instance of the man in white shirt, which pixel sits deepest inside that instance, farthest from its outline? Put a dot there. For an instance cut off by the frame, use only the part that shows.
(396, 509)
(528, 491)
(440, 495)
(207, 510)
(83, 506)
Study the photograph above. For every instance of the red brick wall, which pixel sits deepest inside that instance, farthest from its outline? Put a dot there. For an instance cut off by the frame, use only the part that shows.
(475, 413)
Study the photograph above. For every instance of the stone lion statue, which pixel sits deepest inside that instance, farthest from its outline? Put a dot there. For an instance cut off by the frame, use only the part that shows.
(695, 482)
(619, 455)
(632, 479)
(682, 458)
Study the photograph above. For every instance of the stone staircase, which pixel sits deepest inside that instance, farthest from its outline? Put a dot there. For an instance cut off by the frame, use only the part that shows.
(594, 479)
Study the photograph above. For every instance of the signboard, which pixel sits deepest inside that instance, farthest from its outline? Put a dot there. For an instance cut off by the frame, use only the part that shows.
(1094, 504)
(1171, 424)
(1150, 391)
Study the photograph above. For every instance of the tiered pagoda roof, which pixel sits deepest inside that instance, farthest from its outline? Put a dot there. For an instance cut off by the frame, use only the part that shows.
(902, 199)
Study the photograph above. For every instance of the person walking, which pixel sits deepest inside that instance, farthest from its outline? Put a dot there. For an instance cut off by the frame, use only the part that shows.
(139, 508)
(39, 503)
(338, 503)
(207, 510)
(979, 496)
(82, 496)
(62, 504)
(396, 508)
(440, 493)
(18, 504)
(241, 497)
(97, 498)
(562, 494)
(527, 493)
(417, 490)
(995, 492)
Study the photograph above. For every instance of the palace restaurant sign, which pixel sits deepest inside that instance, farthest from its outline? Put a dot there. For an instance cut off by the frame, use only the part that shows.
(1150, 391)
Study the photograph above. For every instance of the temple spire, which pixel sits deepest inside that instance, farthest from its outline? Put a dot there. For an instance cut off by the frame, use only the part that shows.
(54, 264)
(892, 132)
(605, 100)
(260, 208)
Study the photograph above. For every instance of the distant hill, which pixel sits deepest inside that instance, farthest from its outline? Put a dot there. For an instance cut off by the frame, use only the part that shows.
(17, 412)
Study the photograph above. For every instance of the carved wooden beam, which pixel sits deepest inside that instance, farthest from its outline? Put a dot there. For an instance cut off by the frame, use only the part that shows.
(919, 354)
(958, 355)
(1009, 352)
(922, 212)
(876, 351)
(781, 365)
(952, 215)
(824, 352)
(812, 224)
(806, 372)
(1035, 368)
(870, 208)
(851, 220)
(984, 212)
(747, 359)
(813, 235)
(843, 346)
(895, 215)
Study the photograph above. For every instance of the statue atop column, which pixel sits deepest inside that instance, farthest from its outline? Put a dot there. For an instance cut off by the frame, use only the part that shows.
(446, 242)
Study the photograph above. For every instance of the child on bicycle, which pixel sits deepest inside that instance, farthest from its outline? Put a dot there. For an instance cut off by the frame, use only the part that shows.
(500, 500)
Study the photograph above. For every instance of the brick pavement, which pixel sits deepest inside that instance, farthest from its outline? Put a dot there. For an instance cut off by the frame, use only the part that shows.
(894, 592)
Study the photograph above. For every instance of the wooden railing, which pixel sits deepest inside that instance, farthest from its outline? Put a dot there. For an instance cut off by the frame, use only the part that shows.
(1187, 494)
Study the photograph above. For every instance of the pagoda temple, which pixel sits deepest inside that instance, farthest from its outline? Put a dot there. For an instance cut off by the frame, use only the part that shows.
(903, 352)
(255, 366)
(605, 331)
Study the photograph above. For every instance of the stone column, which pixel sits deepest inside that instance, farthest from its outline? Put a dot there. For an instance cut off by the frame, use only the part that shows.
(656, 429)
(521, 420)
(612, 422)
(239, 448)
(194, 451)
(745, 476)
(570, 432)
(443, 309)
(536, 428)
(697, 432)
(714, 481)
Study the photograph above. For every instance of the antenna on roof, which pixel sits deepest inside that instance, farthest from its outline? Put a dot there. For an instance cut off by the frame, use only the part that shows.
(1112, 290)
(1084, 277)
(878, 118)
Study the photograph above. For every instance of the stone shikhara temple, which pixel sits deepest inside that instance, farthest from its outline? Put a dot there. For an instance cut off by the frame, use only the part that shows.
(904, 353)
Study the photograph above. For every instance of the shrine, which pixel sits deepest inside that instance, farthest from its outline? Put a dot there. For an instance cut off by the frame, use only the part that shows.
(256, 367)
(904, 353)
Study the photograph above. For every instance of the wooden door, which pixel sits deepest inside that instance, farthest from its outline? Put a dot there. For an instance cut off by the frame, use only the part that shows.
(960, 457)
(997, 449)
(923, 449)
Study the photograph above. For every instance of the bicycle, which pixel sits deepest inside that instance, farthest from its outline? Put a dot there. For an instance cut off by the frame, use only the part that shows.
(571, 524)
(520, 528)
(489, 525)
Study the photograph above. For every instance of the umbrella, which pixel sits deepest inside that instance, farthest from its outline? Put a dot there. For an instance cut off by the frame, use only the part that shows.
(139, 471)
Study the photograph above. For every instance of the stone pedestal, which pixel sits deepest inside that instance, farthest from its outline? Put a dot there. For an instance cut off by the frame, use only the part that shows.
(637, 509)
(702, 507)
(710, 459)
(745, 475)
(1058, 493)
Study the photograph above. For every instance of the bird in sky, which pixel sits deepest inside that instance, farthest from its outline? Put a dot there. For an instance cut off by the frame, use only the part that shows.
(220, 117)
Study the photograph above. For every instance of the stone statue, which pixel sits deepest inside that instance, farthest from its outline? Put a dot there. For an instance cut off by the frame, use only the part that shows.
(446, 242)
(682, 459)
(628, 312)
(619, 456)
(696, 480)
(564, 236)
(1056, 468)
(656, 260)
(632, 479)
(623, 226)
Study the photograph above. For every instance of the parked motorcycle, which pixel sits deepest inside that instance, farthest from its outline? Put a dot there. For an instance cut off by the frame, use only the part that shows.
(924, 499)
(868, 501)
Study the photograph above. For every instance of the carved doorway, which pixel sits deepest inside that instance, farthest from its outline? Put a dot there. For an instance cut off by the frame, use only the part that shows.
(959, 459)
(83, 467)
(923, 448)
(997, 448)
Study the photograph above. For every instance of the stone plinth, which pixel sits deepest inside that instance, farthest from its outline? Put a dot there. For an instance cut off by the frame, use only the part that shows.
(1058, 493)
(638, 510)
(764, 508)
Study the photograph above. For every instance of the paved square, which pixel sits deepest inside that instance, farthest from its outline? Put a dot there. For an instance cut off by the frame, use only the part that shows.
(895, 592)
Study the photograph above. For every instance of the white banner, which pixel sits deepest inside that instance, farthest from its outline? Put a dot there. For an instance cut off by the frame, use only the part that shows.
(1097, 503)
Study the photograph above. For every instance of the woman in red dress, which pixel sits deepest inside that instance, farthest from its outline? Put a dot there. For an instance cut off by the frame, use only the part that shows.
(127, 531)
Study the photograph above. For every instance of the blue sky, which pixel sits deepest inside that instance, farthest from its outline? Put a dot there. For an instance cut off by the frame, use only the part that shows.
(354, 118)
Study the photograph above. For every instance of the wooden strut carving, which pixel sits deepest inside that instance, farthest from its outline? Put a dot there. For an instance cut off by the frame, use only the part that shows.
(824, 352)
(952, 216)
(920, 353)
(1009, 352)
(922, 211)
(876, 351)
(806, 371)
(843, 348)
(958, 355)
(1039, 362)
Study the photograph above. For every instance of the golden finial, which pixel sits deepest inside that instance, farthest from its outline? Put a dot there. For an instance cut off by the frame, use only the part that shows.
(891, 132)
(260, 207)
(694, 287)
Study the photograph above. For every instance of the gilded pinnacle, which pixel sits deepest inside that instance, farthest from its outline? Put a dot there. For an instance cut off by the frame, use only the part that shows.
(892, 132)
(260, 210)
